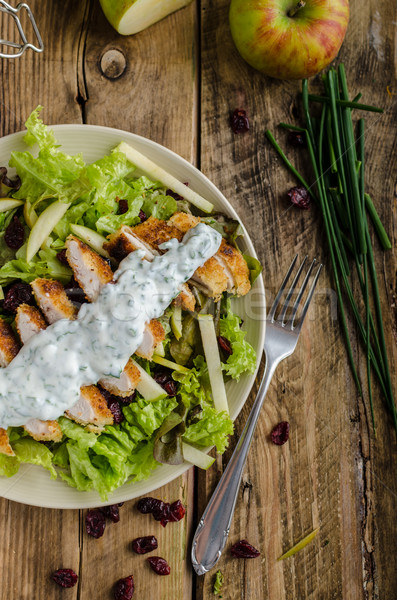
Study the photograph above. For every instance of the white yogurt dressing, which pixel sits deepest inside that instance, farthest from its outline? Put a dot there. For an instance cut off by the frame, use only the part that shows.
(45, 377)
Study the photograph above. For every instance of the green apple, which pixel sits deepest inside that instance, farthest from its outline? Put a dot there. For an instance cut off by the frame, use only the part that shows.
(131, 16)
(288, 39)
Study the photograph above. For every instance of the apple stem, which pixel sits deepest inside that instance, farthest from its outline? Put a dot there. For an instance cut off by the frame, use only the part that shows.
(292, 12)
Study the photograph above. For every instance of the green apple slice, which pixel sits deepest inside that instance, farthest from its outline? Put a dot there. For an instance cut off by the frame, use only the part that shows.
(9, 203)
(1, 293)
(43, 227)
(92, 238)
(148, 387)
(159, 349)
(164, 362)
(130, 16)
(176, 321)
(158, 174)
(210, 345)
(29, 214)
(196, 457)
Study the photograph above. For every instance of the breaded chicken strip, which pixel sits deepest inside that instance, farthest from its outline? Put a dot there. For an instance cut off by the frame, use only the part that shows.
(51, 297)
(124, 241)
(155, 232)
(44, 431)
(29, 321)
(90, 270)
(154, 334)
(235, 267)
(183, 221)
(91, 408)
(9, 346)
(185, 299)
(125, 384)
(5, 446)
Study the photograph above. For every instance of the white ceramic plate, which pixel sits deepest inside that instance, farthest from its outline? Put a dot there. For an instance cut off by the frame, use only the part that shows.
(32, 484)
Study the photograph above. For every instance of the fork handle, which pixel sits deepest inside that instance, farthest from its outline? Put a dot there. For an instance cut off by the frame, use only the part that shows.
(213, 529)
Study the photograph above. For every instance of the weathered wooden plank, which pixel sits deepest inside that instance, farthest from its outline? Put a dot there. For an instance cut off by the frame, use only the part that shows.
(325, 475)
(146, 84)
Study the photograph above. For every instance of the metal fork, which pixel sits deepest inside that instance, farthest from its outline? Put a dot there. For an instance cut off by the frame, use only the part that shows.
(282, 333)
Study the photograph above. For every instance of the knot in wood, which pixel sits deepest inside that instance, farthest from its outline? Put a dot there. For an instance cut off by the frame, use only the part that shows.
(113, 63)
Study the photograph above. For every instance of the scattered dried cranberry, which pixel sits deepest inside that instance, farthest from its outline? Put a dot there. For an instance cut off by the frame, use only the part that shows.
(142, 216)
(115, 409)
(145, 544)
(123, 207)
(243, 549)
(111, 512)
(61, 256)
(95, 523)
(300, 197)
(159, 565)
(280, 433)
(239, 121)
(124, 588)
(162, 511)
(164, 379)
(18, 293)
(126, 399)
(225, 345)
(66, 578)
(14, 234)
(296, 139)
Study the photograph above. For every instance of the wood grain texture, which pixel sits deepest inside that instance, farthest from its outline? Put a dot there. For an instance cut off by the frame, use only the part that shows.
(177, 83)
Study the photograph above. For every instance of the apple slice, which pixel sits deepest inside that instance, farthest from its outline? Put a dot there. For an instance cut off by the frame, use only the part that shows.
(92, 238)
(210, 345)
(164, 362)
(43, 227)
(158, 174)
(130, 16)
(9, 203)
(148, 387)
(29, 214)
(159, 350)
(196, 457)
(176, 321)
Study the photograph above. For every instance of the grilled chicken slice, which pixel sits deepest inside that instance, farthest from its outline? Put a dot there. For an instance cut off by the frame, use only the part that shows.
(125, 384)
(90, 270)
(28, 321)
(124, 241)
(152, 336)
(51, 297)
(91, 408)
(5, 446)
(9, 346)
(44, 431)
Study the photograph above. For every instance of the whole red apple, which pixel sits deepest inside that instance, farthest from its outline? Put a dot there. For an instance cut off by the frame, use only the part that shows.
(288, 39)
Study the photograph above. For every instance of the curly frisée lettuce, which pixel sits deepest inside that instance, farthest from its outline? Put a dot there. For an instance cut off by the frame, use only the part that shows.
(160, 425)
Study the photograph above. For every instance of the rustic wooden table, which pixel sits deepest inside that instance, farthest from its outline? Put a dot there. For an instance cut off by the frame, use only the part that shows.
(177, 83)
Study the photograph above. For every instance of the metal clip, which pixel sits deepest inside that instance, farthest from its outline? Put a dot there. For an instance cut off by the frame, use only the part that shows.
(20, 47)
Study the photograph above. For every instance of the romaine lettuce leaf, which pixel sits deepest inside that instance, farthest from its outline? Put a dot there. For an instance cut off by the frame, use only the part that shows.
(28, 450)
(243, 358)
(213, 429)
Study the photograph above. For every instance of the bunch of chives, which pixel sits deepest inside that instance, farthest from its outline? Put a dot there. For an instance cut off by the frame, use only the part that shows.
(337, 157)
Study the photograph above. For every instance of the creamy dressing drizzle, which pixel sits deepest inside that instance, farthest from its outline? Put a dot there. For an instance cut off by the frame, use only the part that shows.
(45, 377)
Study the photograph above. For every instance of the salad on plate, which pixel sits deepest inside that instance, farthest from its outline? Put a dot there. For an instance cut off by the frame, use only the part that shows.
(69, 231)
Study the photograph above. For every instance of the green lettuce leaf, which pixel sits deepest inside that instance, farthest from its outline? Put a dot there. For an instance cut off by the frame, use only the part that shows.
(213, 429)
(45, 264)
(195, 385)
(243, 358)
(159, 206)
(29, 451)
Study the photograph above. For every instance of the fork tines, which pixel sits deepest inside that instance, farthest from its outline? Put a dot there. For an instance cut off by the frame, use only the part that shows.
(290, 306)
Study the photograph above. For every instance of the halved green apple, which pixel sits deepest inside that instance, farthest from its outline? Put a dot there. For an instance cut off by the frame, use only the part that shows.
(131, 16)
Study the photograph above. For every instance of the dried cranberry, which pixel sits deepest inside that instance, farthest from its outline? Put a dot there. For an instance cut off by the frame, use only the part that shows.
(159, 565)
(66, 578)
(243, 549)
(14, 234)
(280, 433)
(174, 194)
(142, 216)
(145, 544)
(164, 379)
(177, 511)
(95, 523)
(111, 512)
(18, 293)
(123, 207)
(124, 588)
(239, 121)
(225, 345)
(299, 196)
(147, 505)
(61, 256)
(126, 399)
(115, 409)
(161, 512)
(296, 139)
